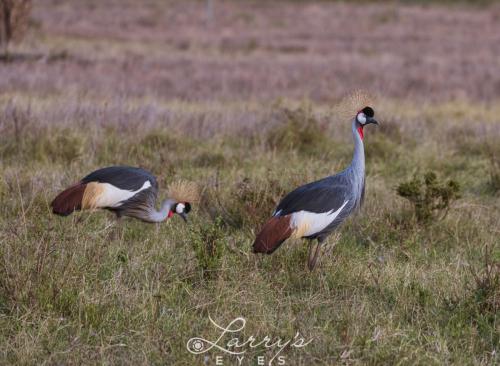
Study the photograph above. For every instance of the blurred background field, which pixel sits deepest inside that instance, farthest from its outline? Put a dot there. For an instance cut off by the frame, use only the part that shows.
(243, 100)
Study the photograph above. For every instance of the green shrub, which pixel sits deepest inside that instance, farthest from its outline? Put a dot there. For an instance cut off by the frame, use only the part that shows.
(207, 241)
(249, 204)
(298, 130)
(65, 146)
(431, 198)
(380, 147)
(156, 147)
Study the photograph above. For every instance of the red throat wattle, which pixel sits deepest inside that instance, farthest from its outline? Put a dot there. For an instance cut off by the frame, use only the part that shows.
(360, 131)
(170, 214)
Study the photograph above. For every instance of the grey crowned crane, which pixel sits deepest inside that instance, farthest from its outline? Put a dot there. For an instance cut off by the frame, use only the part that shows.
(315, 210)
(126, 191)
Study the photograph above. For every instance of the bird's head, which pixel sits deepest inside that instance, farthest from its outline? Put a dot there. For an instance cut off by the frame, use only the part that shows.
(180, 208)
(364, 117)
(183, 194)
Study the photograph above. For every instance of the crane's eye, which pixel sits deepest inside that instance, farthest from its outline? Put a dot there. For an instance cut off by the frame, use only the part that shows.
(361, 117)
(179, 208)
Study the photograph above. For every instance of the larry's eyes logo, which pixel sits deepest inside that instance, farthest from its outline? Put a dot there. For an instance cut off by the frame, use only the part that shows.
(196, 346)
(237, 347)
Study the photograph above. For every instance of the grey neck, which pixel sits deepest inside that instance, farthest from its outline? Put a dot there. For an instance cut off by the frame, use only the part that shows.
(162, 214)
(358, 158)
(356, 171)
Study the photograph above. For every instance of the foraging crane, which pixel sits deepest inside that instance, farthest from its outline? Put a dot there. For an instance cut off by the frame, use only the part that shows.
(126, 191)
(315, 210)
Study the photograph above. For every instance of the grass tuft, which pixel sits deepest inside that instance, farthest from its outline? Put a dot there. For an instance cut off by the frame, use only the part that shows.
(208, 243)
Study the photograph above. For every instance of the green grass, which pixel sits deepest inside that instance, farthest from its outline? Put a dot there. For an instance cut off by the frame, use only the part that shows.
(392, 291)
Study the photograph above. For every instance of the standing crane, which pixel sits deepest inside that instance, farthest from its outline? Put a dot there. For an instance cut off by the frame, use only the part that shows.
(126, 191)
(315, 210)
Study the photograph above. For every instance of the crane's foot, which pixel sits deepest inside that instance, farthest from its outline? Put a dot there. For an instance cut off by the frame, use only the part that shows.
(314, 250)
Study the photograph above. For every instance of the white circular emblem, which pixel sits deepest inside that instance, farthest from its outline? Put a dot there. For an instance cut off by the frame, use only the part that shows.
(197, 345)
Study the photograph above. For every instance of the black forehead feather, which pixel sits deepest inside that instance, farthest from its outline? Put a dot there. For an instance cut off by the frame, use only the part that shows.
(368, 111)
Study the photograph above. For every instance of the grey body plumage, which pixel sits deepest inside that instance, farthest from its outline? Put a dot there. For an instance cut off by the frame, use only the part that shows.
(142, 205)
(316, 209)
(331, 192)
(124, 190)
(123, 177)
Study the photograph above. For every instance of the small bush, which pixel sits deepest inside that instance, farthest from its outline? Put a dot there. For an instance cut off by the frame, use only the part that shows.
(65, 146)
(430, 197)
(380, 147)
(299, 130)
(257, 199)
(250, 203)
(208, 244)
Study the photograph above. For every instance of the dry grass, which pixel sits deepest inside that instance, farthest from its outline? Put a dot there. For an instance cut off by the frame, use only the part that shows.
(157, 88)
(391, 290)
(258, 50)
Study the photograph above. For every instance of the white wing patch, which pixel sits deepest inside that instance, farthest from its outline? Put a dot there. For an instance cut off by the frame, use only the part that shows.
(113, 197)
(310, 223)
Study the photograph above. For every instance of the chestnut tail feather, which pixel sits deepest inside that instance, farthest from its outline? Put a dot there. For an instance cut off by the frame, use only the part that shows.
(68, 200)
(272, 235)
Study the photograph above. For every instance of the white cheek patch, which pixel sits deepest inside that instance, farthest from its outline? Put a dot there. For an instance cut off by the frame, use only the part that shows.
(361, 118)
(180, 208)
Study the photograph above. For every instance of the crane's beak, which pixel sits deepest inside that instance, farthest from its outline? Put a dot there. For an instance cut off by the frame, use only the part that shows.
(184, 216)
(371, 120)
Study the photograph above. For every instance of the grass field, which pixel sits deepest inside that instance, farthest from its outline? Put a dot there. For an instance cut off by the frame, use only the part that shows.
(246, 107)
